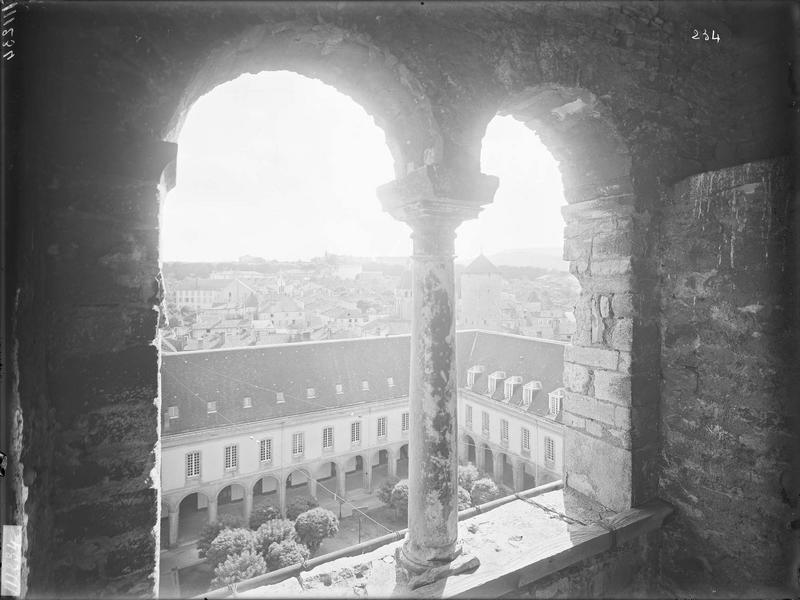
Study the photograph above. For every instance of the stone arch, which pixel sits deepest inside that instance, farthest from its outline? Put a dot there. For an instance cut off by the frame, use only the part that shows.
(471, 451)
(193, 514)
(351, 62)
(579, 130)
(488, 460)
(357, 478)
(264, 492)
(231, 499)
(326, 475)
(607, 242)
(402, 461)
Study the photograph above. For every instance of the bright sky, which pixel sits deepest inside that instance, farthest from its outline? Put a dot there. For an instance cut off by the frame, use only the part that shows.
(285, 167)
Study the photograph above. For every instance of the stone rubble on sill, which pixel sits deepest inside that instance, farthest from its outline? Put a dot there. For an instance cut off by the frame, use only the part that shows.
(511, 530)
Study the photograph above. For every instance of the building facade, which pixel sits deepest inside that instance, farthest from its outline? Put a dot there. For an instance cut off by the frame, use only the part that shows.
(249, 426)
(481, 296)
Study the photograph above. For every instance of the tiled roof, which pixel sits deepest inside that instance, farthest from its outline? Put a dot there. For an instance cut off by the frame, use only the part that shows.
(227, 376)
(532, 359)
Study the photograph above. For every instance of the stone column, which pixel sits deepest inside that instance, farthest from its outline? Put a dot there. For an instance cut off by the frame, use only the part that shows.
(392, 467)
(248, 502)
(212, 510)
(282, 495)
(497, 468)
(341, 481)
(428, 200)
(480, 457)
(174, 520)
(519, 475)
(312, 487)
(368, 478)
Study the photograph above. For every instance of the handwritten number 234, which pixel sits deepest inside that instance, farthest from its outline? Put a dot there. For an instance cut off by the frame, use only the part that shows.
(697, 35)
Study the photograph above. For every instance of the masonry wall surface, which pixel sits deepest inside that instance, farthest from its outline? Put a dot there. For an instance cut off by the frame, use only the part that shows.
(728, 362)
(96, 87)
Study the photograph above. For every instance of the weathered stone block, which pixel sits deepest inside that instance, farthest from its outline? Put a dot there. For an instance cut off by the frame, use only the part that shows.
(592, 357)
(597, 469)
(612, 386)
(594, 428)
(612, 245)
(604, 412)
(574, 421)
(622, 334)
(579, 404)
(577, 378)
(612, 267)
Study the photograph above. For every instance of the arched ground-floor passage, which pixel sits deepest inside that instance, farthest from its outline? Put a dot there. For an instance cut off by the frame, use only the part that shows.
(327, 481)
(298, 485)
(355, 474)
(471, 453)
(266, 491)
(230, 501)
(193, 515)
(488, 461)
(402, 462)
(505, 474)
(165, 542)
(381, 468)
(529, 477)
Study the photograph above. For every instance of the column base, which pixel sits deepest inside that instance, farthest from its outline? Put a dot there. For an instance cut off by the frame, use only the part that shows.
(412, 575)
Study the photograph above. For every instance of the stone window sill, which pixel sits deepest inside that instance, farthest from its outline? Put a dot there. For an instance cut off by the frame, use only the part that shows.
(517, 541)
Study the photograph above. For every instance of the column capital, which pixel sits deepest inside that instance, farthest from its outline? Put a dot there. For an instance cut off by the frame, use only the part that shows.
(436, 194)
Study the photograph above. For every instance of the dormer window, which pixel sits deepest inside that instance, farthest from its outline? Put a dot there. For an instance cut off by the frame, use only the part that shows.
(390, 381)
(339, 388)
(279, 399)
(494, 378)
(472, 373)
(508, 387)
(247, 402)
(528, 391)
(555, 402)
(365, 386)
(311, 393)
(212, 407)
(173, 412)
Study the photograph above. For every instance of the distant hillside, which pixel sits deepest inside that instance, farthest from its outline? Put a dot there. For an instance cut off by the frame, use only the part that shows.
(543, 258)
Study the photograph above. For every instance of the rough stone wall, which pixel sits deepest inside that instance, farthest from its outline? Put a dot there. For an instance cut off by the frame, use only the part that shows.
(727, 365)
(623, 572)
(97, 86)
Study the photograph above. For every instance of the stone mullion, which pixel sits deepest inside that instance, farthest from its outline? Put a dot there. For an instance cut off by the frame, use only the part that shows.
(433, 201)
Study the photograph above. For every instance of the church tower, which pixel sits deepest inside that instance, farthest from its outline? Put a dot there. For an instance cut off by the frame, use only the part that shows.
(481, 293)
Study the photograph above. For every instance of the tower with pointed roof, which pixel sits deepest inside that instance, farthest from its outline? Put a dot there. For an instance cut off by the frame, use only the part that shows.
(481, 295)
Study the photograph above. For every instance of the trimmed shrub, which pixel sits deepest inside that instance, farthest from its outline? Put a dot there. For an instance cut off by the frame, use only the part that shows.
(315, 525)
(230, 542)
(212, 530)
(262, 514)
(272, 532)
(285, 554)
(239, 567)
(300, 505)
(464, 499)
(467, 475)
(484, 490)
(385, 490)
(400, 496)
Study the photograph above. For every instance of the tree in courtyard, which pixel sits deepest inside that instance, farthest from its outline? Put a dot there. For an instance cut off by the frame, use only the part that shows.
(230, 542)
(315, 525)
(285, 554)
(385, 490)
(239, 567)
(271, 532)
(464, 499)
(467, 475)
(211, 530)
(484, 490)
(262, 514)
(300, 505)
(400, 497)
